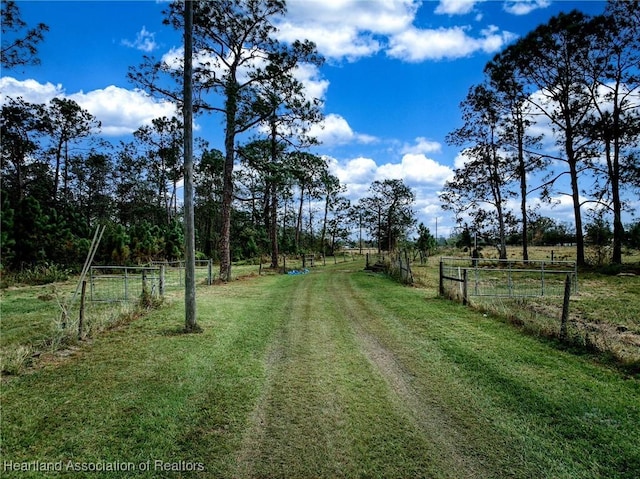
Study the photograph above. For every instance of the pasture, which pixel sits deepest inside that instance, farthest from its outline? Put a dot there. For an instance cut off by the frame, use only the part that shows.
(335, 373)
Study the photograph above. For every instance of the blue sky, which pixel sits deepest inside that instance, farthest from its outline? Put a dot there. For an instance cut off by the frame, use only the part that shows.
(395, 73)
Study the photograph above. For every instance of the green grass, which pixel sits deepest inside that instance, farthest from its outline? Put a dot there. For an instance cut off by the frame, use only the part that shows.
(338, 373)
(603, 314)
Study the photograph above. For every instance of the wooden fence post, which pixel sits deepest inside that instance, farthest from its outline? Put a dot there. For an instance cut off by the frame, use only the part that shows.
(565, 308)
(465, 295)
(161, 281)
(81, 317)
(441, 280)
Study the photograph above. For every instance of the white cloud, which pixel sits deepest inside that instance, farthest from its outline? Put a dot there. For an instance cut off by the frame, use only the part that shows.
(416, 170)
(423, 175)
(524, 7)
(30, 90)
(314, 85)
(346, 29)
(352, 29)
(335, 130)
(455, 7)
(379, 16)
(122, 111)
(460, 160)
(145, 41)
(422, 145)
(342, 41)
(357, 171)
(414, 45)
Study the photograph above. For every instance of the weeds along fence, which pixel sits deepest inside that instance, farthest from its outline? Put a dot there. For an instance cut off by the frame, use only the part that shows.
(397, 265)
(127, 283)
(467, 277)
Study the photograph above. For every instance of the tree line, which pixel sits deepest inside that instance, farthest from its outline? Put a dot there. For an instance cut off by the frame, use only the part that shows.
(561, 102)
(266, 196)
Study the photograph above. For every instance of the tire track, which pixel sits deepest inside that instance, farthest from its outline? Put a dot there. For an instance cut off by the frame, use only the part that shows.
(423, 410)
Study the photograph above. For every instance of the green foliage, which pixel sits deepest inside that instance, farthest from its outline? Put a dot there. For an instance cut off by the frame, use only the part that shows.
(426, 242)
(43, 273)
(633, 235)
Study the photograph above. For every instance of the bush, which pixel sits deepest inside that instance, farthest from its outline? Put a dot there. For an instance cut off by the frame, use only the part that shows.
(44, 273)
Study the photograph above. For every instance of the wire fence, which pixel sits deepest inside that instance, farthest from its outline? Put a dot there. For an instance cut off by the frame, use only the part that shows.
(465, 277)
(129, 283)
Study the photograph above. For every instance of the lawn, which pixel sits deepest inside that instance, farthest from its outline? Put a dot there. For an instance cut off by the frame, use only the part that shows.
(335, 373)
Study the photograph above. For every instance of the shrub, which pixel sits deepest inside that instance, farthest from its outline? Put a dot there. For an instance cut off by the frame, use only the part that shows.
(44, 273)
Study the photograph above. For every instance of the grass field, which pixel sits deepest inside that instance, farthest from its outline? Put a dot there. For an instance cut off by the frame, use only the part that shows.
(336, 373)
(603, 318)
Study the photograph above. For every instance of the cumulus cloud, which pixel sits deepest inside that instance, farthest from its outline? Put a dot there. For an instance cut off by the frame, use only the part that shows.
(416, 169)
(423, 175)
(415, 45)
(120, 111)
(356, 171)
(524, 7)
(335, 130)
(30, 90)
(342, 41)
(346, 29)
(352, 29)
(460, 160)
(455, 7)
(422, 145)
(145, 41)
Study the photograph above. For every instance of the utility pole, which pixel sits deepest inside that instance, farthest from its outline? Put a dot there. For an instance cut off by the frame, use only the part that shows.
(190, 323)
(437, 241)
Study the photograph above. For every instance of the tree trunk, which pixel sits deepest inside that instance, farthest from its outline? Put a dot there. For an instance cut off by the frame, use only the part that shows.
(273, 227)
(614, 176)
(324, 224)
(191, 324)
(273, 198)
(575, 195)
(299, 222)
(523, 195)
(227, 182)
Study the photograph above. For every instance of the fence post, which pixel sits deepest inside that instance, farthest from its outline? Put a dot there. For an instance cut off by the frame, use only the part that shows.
(465, 292)
(91, 280)
(565, 308)
(304, 261)
(441, 280)
(161, 282)
(210, 271)
(81, 317)
(510, 279)
(145, 286)
(126, 285)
